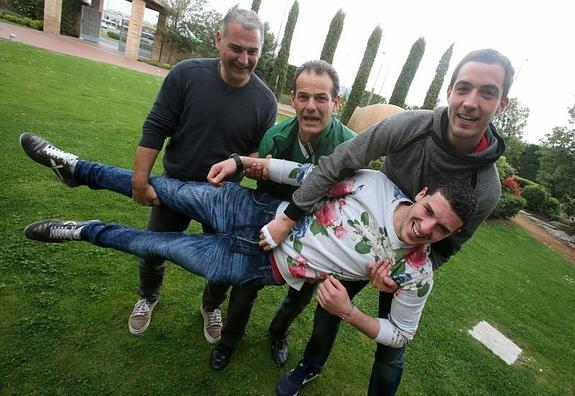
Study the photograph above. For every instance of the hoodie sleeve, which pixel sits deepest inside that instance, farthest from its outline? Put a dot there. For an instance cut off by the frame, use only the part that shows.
(377, 141)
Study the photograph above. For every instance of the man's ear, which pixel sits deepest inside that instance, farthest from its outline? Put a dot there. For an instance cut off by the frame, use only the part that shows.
(503, 103)
(336, 103)
(449, 88)
(292, 96)
(218, 39)
(421, 194)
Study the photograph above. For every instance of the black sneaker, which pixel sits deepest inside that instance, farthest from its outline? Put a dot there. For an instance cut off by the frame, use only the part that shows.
(55, 230)
(221, 356)
(292, 382)
(279, 351)
(43, 152)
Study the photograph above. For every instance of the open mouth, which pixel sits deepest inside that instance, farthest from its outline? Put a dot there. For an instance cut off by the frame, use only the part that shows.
(310, 119)
(415, 231)
(242, 67)
(467, 118)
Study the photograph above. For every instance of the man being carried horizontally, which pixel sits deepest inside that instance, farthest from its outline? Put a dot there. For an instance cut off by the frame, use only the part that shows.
(364, 219)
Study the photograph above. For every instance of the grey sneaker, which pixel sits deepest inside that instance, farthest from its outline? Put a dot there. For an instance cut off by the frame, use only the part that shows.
(43, 152)
(212, 325)
(141, 316)
(56, 231)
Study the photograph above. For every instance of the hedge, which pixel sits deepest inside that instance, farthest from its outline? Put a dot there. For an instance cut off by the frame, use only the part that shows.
(507, 206)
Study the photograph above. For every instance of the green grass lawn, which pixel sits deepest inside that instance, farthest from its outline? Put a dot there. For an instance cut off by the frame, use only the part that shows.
(64, 308)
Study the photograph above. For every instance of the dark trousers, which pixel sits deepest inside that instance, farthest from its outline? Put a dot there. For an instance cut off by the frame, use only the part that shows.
(240, 307)
(388, 365)
(162, 219)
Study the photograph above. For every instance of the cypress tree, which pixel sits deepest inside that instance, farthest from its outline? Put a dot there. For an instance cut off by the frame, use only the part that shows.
(332, 38)
(256, 5)
(358, 88)
(433, 92)
(278, 77)
(264, 67)
(407, 73)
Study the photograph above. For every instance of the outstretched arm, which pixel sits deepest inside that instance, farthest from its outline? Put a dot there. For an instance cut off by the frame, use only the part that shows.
(279, 171)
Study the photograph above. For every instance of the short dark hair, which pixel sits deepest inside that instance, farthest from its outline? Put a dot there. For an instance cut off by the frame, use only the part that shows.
(461, 198)
(247, 19)
(489, 56)
(319, 67)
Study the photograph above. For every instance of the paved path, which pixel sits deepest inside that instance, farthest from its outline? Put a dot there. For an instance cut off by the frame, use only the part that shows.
(101, 52)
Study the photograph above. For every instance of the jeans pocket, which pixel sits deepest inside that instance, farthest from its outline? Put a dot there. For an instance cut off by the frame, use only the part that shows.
(246, 246)
(267, 203)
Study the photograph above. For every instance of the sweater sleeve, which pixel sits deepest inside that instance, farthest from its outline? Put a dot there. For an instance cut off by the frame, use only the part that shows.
(164, 116)
(288, 172)
(406, 309)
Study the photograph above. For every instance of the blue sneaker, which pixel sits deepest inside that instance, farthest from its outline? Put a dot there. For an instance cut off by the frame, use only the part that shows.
(292, 382)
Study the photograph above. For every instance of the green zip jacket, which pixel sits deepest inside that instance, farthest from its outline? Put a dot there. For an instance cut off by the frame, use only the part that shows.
(281, 142)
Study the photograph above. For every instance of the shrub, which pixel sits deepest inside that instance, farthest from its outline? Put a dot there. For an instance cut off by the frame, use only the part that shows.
(536, 197)
(511, 186)
(507, 206)
(31, 8)
(523, 182)
(552, 208)
(158, 64)
(504, 168)
(376, 164)
(36, 24)
(113, 35)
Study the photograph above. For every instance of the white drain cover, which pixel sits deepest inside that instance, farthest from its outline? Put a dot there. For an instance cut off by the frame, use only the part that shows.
(496, 342)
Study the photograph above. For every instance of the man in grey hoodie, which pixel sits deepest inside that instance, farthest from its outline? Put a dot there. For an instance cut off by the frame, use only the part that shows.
(458, 142)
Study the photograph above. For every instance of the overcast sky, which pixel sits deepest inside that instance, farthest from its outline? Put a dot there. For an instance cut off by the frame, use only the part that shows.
(536, 36)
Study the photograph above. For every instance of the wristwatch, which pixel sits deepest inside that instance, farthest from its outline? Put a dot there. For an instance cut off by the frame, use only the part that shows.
(239, 163)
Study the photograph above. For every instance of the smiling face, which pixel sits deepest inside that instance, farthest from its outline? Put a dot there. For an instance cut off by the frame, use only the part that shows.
(240, 50)
(474, 99)
(314, 103)
(429, 219)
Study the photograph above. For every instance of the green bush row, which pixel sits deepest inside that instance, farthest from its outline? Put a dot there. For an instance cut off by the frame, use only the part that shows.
(33, 23)
(113, 35)
(540, 201)
(508, 206)
(158, 64)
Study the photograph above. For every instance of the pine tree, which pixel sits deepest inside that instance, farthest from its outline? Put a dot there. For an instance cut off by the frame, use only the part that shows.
(278, 77)
(407, 73)
(333, 35)
(256, 5)
(358, 88)
(433, 92)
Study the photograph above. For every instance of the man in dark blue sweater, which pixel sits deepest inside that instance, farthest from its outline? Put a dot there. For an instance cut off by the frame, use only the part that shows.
(208, 109)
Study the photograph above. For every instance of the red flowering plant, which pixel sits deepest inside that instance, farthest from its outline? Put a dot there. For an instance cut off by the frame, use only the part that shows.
(511, 186)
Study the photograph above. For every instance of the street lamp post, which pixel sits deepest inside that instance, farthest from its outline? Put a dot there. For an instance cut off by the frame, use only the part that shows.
(376, 79)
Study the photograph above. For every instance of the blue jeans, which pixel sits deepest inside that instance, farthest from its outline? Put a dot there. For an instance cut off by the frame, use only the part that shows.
(387, 367)
(236, 214)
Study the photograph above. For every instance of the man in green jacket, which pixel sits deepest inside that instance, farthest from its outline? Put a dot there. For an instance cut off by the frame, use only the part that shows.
(313, 133)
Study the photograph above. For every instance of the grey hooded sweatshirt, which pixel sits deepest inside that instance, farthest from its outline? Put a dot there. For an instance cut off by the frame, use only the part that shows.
(417, 154)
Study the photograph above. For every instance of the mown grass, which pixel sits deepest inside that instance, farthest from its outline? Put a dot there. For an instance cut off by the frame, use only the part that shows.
(64, 308)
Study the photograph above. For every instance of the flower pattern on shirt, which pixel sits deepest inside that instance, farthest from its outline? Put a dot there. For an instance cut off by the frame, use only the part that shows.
(298, 173)
(410, 271)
